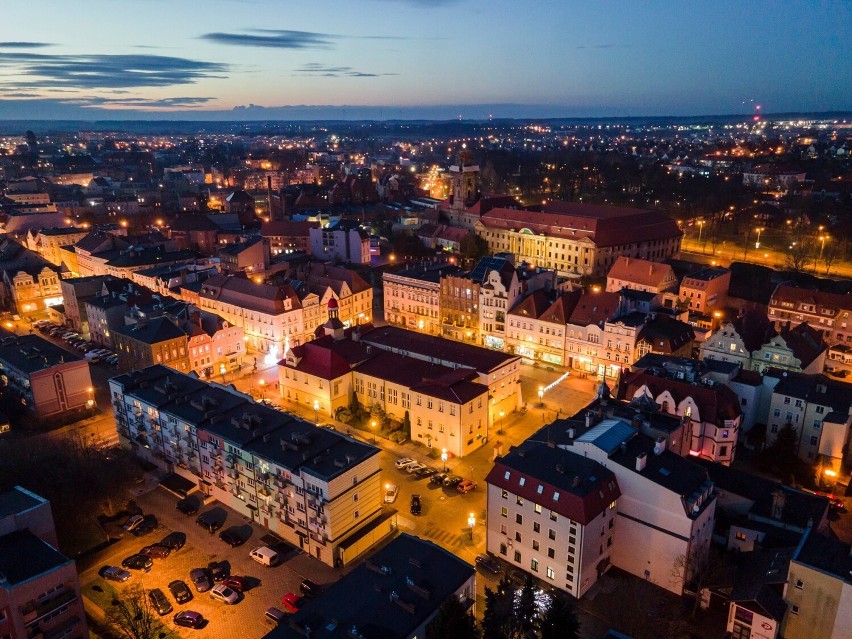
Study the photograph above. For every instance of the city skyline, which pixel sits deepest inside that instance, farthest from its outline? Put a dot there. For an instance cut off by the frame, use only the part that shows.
(259, 59)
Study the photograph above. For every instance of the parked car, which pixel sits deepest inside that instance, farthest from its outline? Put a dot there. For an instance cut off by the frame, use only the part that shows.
(218, 570)
(240, 584)
(451, 481)
(416, 507)
(291, 602)
(413, 468)
(209, 522)
(426, 471)
(180, 591)
(174, 540)
(489, 563)
(187, 506)
(201, 579)
(466, 485)
(149, 524)
(309, 588)
(232, 538)
(274, 617)
(114, 573)
(138, 562)
(156, 551)
(160, 602)
(189, 619)
(402, 462)
(438, 478)
(391, 493)
(132, 522)
(224, 594)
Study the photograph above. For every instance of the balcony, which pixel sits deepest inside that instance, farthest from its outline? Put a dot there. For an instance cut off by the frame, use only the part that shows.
(33, 610)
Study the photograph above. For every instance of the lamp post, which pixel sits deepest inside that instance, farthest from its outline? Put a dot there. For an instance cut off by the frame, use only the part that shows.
(822, 240)
(700, 228)
(541, 396)
(500, 427)
(444, 458)
(757, 243)
(373, 427)
(223, 370)
(471, 522)
(90, 403)
(262, 384)
(316, 411)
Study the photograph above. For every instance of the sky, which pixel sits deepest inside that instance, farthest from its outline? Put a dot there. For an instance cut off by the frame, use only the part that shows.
(436, 59)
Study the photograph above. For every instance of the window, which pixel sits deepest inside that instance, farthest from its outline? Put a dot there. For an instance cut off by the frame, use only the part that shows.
(537, 508)
(551, 574)
(794, 610)
(800, 584)
(504, 511)
(503, 549)
(741, 536)
(519, 501)
(535, 545)
(551, 534)
(536, 527)
(552, 515)
(518, 556)
(534, 565)
(517, 536)
(505, 494)
(551, 553)
(814, 440)
(519, 518)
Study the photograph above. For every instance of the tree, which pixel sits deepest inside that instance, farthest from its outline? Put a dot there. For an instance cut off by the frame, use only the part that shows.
(830, 256)
(452, 621)
(559, 620)
(498, 618)
(406, 425)
(132, 616)
(798, 256)
(525, 613)
(473, 247)
(782, 457)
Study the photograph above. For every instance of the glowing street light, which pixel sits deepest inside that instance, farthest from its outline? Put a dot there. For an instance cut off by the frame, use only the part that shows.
(541, 395)
(316, 411)
(500, 425)
(262, 384)
(444, 458)
(757, 243)
(373, 427)
(823, 239)
(471, 522)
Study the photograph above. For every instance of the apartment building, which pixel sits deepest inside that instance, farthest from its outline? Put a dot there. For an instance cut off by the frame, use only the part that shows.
(818, 407)
(552, 513)
(579, 239)
(537, 326)
(214, 346)
(46, 379)
(706, 289)
(288, 236)
(344, 242)
(412, 297)
(39, 588)
(47, 242)
(640, 275)
(351, 292)
(711, 411)
(584, 333)
(315, 488)
(826, 312)
(148, 342)
(249, 256)
(76, 291)
(666, 507)
(459, 308)
(818, 591)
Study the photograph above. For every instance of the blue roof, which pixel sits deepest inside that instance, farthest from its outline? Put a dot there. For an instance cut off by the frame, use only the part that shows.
(608, 435)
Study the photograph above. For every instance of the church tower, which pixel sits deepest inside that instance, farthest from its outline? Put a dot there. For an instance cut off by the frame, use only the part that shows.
(464, 190)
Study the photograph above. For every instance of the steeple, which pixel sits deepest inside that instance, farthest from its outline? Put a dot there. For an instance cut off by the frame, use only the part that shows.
(334, 326)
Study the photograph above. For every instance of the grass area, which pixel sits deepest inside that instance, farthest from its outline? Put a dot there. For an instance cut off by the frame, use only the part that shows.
(102, 594)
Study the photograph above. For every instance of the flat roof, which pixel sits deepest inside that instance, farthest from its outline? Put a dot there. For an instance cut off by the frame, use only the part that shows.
(24, 556)
(18, 500)
(31, 354)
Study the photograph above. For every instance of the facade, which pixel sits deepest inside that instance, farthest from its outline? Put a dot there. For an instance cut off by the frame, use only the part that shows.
(418, 577)
(706, 289)
(711, 411)
(46, 379)
(40, 589)
(826, 312)
(579, 239)
(341, 242)
(155, 341)
(819, 589)
(412, 297)
(537, 326)
(552, 514)
(287, 236)
(215, 347)
(249, 256)
(34, 290)
(315, 488)
(459, 307)
(76, 291)
(640, 275)
(47, 242)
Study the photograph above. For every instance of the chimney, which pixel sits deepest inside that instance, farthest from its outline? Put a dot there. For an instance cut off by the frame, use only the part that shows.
(576, 482)
(641, 460)
(659, 445)
(778, 501)
(588, 419)
(570, 433)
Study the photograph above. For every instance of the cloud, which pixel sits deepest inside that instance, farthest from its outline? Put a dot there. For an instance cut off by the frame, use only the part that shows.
(277, 39)
(145, 103)
(23, 45)
(105, 71)
(316, 69)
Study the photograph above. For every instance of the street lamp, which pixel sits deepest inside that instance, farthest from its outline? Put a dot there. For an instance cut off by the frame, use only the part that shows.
(444, 458)
(700, 228)
(262, 384)
(757, 243)
(541, 395)
(373, 427)
(90, 403)
(822, 239)
(500, 427)
(316, 411)
(223, 370)
(471, 522)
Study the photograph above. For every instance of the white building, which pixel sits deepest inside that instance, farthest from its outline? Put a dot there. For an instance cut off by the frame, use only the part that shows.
(341, 242)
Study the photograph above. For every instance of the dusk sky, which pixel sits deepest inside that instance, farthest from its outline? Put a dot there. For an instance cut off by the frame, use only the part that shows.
(507, 58)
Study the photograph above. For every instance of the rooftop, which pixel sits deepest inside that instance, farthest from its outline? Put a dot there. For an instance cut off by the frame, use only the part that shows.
(30, 353)
(18, 500)
(826, 554)
(24, 556)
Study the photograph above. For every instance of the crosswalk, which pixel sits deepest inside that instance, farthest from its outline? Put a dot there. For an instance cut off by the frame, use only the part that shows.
(444, 537)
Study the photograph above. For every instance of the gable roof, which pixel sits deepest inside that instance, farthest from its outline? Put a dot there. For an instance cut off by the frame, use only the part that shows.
(715, 404)
(642, 272)
(595, 307)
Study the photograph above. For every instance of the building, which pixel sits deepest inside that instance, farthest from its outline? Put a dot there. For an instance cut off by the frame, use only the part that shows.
(551, 512)
(412, 296)
(665, 512)
(710, 410)
(317, 284)
(579, 239)
(640, 275)
(155, 341)
(818, 407)
(344, 242)
(537, 326)
(826, 312)
(415, 576)
(706, 290)
(47, 242)
(39, 589)
(46, 379)
(315, 488)
(459, 307)
(76, 291)
(249, 256)
(214, 346)
(30, 284)
(287, 236)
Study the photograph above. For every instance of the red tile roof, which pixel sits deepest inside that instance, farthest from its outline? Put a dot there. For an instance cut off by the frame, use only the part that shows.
(715, 405)
(643, 272)
(594, 307)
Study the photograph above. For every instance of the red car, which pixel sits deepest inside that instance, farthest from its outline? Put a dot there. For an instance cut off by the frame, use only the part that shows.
(466, 485)
(236, 583)
(291, 602)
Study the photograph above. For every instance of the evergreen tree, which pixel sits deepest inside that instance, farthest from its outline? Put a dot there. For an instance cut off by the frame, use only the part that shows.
(525, 611)
(452, 621)
(498, 619)
(559, 620)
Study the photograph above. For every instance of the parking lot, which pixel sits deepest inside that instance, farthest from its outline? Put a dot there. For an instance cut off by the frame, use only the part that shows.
(245, 618)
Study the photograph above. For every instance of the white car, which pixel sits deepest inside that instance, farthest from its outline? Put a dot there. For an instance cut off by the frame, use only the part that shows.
(402, 462)
(413, 468)
(224, 594)
(391, 493)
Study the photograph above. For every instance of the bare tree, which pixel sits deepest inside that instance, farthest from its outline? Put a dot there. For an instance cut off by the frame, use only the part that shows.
(132, 616)
(830, 255)
(799, 255)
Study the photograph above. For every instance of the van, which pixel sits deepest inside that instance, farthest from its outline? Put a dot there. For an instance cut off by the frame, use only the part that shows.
(274, 617)
(264, 555)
